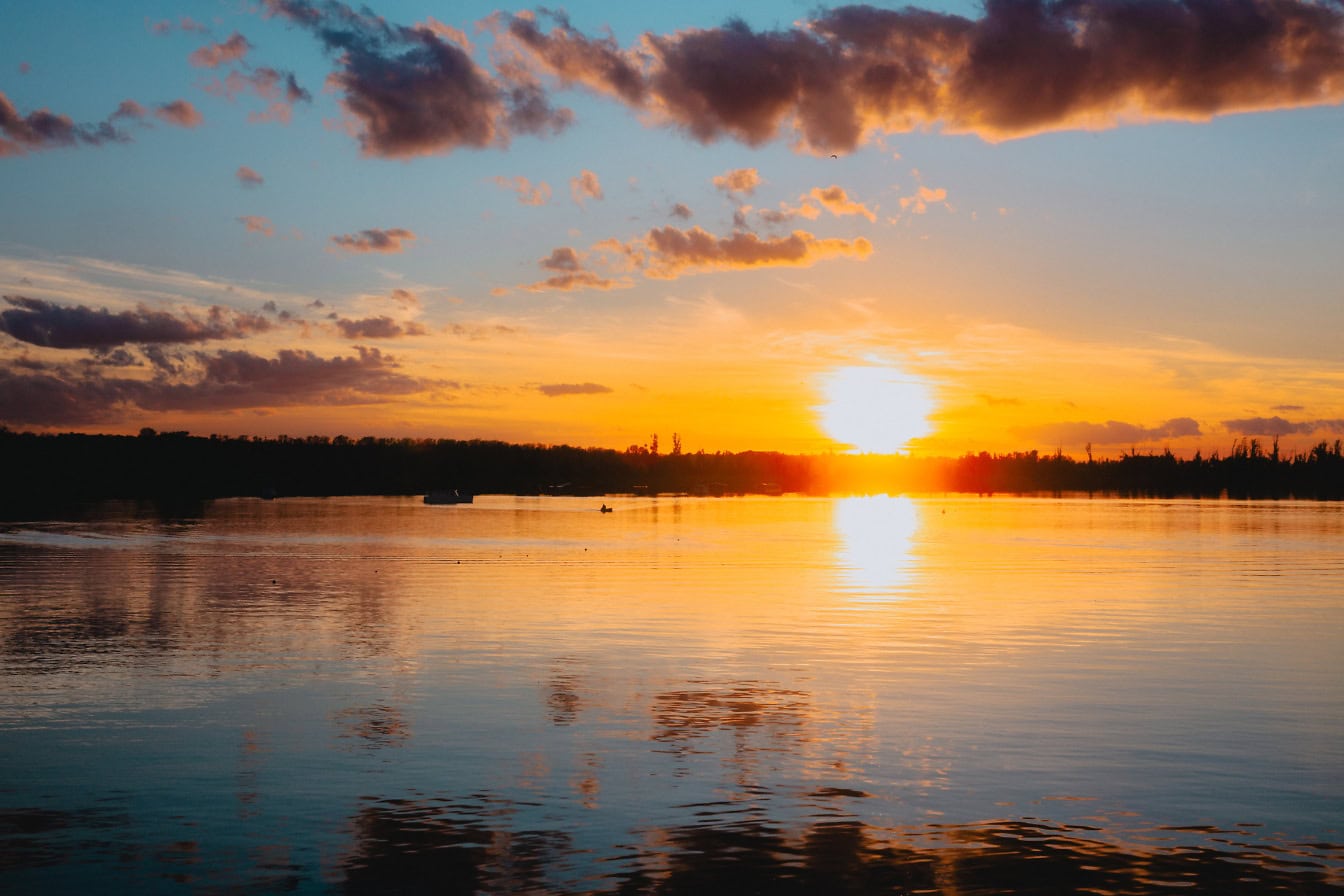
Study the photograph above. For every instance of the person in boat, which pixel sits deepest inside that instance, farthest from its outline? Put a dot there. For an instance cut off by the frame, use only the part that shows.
(604, 509)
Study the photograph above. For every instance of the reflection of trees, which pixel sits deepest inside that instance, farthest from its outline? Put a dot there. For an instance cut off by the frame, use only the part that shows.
(743, 708)
(562, 697)
(426, 846)
(375, 726)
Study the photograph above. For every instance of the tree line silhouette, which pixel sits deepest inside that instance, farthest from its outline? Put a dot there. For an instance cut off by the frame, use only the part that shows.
(48, 470)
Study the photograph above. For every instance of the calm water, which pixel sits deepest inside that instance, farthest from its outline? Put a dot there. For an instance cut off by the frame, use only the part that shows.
(780, 695)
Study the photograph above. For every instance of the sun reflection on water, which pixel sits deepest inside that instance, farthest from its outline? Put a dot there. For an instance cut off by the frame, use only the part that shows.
(875, 534)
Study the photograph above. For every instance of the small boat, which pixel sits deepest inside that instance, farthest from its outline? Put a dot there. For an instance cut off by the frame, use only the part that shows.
(604, 509)
(448, 496)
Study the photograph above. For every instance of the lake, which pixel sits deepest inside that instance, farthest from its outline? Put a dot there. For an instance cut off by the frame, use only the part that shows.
(942, 695)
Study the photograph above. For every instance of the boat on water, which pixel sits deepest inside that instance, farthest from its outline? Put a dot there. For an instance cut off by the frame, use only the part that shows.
(448, 496)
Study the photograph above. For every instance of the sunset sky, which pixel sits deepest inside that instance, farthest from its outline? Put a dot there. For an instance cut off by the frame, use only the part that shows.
(942, 228)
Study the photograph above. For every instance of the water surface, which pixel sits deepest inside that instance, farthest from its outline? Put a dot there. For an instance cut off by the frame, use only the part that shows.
(938, 695)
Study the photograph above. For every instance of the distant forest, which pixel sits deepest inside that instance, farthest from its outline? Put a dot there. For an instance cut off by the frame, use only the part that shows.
(44, 471)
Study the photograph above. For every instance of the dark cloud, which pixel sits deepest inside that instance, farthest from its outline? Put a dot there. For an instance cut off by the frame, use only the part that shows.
(1114, 432)
(178, 112)
(1278, 426)
(377, 328)
(225, 380)
(59, 326)
(416, 90)
(214, 55)
(1288, 407)
(554, 390)
(682, 211)
(373, 240)
(562, 259)
(669, 252)
(42, 129)
(248, 178)
(1022, 67)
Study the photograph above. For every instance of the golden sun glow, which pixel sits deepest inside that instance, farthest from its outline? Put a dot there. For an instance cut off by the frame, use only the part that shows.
(875, 409)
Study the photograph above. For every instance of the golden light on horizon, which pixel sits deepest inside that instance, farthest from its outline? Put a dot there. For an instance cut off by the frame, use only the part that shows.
(876, 409)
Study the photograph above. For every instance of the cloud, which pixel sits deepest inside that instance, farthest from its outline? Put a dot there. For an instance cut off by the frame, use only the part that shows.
(562, 259)
(382, 327)
(214, 55)
(405, 298)
(411, 91)
(1114, 432)
(185, 23)
(569, 282)
(570, 274)
(248, 178)
(1277, 426)
(668, 252)
(528, 194)
(178, 112)
(1021, 68)
(836, 201)
(681, 211)
(47, 324)
(585, 186)
(42, 130)
(280, 89)
(919, 202)
(129, 109)
(555, 390)
(739, 180)
(258, 224)
(201, 381)
(374, 240)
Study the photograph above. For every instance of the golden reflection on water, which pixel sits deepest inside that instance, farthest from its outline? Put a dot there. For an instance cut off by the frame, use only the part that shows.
(876, 533)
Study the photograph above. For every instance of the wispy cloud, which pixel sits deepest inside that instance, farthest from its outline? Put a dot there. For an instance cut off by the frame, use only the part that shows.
(248, 178)
(381, 327)
(214, 55)
(528, 193)
(374, 240)
(556, 390)
(258, 224)
(1278, 426)
(43, 130)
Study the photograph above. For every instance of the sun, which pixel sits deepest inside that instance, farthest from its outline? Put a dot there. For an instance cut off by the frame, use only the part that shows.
(875, 409)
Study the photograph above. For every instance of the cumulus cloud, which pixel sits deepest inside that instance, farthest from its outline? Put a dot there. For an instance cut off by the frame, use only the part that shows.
(415, 90)
(570, 274)
(373, 240)
(178, 112)
(739, 180)
(43, 129)
(47, 324)
(1115, 432)
(555, 390)
(836, 201)
(248, 178)
(382, 327)
(1278, 426)
(214, 55)
(528, 193)
(669, 252)
(258, 224)
(585, 186)
(1020, 68)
